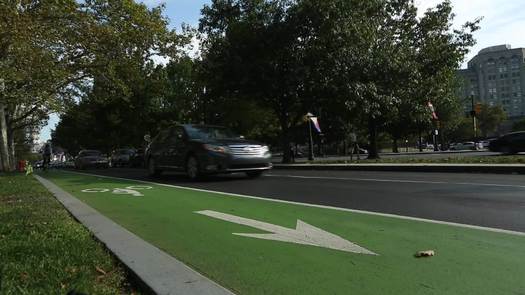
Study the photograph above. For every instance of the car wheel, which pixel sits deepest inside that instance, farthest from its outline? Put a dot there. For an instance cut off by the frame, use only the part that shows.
(254, 174)
(152, 169)
(192, 168)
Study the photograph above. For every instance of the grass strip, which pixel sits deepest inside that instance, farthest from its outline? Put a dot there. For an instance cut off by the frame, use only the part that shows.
(43, 250)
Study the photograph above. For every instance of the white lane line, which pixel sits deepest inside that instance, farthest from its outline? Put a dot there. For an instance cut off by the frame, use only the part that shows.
(490, 229)
(396, 180)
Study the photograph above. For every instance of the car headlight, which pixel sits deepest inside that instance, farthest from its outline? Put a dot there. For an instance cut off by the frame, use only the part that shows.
(265, 149)
(217, 148)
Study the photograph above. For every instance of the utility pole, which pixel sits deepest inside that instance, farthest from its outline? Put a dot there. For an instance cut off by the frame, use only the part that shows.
(310, 141)
(473, 114)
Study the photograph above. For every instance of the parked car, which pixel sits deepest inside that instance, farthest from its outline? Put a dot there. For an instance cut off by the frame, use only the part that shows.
(137, 159)
(511, 143)
(121, 157)
(468, 145)
(38, 164)
(204, 149)
(90, 159)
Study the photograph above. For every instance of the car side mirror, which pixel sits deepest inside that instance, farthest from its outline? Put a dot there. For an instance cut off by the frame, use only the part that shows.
(147, 138)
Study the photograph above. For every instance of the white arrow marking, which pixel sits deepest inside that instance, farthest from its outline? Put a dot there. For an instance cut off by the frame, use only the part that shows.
(304, 233)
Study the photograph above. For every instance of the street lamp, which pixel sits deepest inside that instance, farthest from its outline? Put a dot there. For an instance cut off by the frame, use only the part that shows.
(308, 116)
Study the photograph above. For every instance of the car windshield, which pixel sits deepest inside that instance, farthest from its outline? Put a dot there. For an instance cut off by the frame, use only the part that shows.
(209, 132)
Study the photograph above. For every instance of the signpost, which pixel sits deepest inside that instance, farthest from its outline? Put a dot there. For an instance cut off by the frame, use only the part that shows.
(310, 139)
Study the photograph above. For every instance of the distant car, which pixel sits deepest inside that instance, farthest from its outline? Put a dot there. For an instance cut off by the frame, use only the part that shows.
(91, 159)
(511, 143)
(121, 157)
(204, 149)
(468, 145)
(38, 164)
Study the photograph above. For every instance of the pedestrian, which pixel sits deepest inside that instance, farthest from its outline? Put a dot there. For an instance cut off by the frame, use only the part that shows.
(47, 152)
(292, 153)
(354, 146)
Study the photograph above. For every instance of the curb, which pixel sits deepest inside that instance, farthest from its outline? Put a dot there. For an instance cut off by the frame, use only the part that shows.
(160, 272)
(449, 168)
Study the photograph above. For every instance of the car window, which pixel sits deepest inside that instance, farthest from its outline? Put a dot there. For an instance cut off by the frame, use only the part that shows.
(163, 135)
(210, 132)
(176, 134)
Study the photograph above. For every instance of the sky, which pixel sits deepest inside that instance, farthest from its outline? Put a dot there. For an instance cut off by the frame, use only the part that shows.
(503, 21)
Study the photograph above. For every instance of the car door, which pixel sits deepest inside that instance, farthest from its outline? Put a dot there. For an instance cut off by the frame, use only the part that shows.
(158, 148)
(518, 142)
(176, 148)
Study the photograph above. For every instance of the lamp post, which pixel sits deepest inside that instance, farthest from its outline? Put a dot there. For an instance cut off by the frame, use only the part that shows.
(310, 139)
(473, 114)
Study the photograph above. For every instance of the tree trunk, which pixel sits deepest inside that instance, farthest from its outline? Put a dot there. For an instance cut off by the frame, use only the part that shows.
(372, 131)
(395, 146)
(4, 150)
(11, 148)
(286, 144)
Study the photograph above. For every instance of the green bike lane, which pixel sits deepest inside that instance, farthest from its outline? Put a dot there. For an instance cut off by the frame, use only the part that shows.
(229, 239)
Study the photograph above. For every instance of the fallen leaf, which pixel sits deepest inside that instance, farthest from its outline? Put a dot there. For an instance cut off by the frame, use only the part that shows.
(100, 270)
(426, 253)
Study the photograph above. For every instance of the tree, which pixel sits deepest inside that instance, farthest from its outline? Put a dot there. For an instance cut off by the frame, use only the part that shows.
(519, 126)
(490, 118)
(254, 51)
(51, 51)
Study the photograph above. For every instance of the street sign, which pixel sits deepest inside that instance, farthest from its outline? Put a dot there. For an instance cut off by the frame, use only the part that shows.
(304, 233)
(477, 109)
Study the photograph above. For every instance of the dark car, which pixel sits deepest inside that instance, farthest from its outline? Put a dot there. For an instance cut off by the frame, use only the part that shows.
(121, 157)
(91, 159)
(137, 159)
(203, 149)
(511, 143)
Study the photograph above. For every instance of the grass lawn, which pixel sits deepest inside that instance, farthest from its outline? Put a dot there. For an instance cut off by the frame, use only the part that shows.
(43, 250)
(467, 261)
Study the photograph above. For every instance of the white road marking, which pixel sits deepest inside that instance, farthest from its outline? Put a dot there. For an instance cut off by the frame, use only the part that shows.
(395, 180)
(139, 187)
(125, 191)
(489, 229)
(95, 190)
(304, 233)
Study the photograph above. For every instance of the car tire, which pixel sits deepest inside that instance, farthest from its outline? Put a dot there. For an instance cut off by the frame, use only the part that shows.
(254, 174)
(153, 171)
(192, 168)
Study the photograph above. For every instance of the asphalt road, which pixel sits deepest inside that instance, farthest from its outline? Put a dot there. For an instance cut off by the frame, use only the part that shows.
(490, 200)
